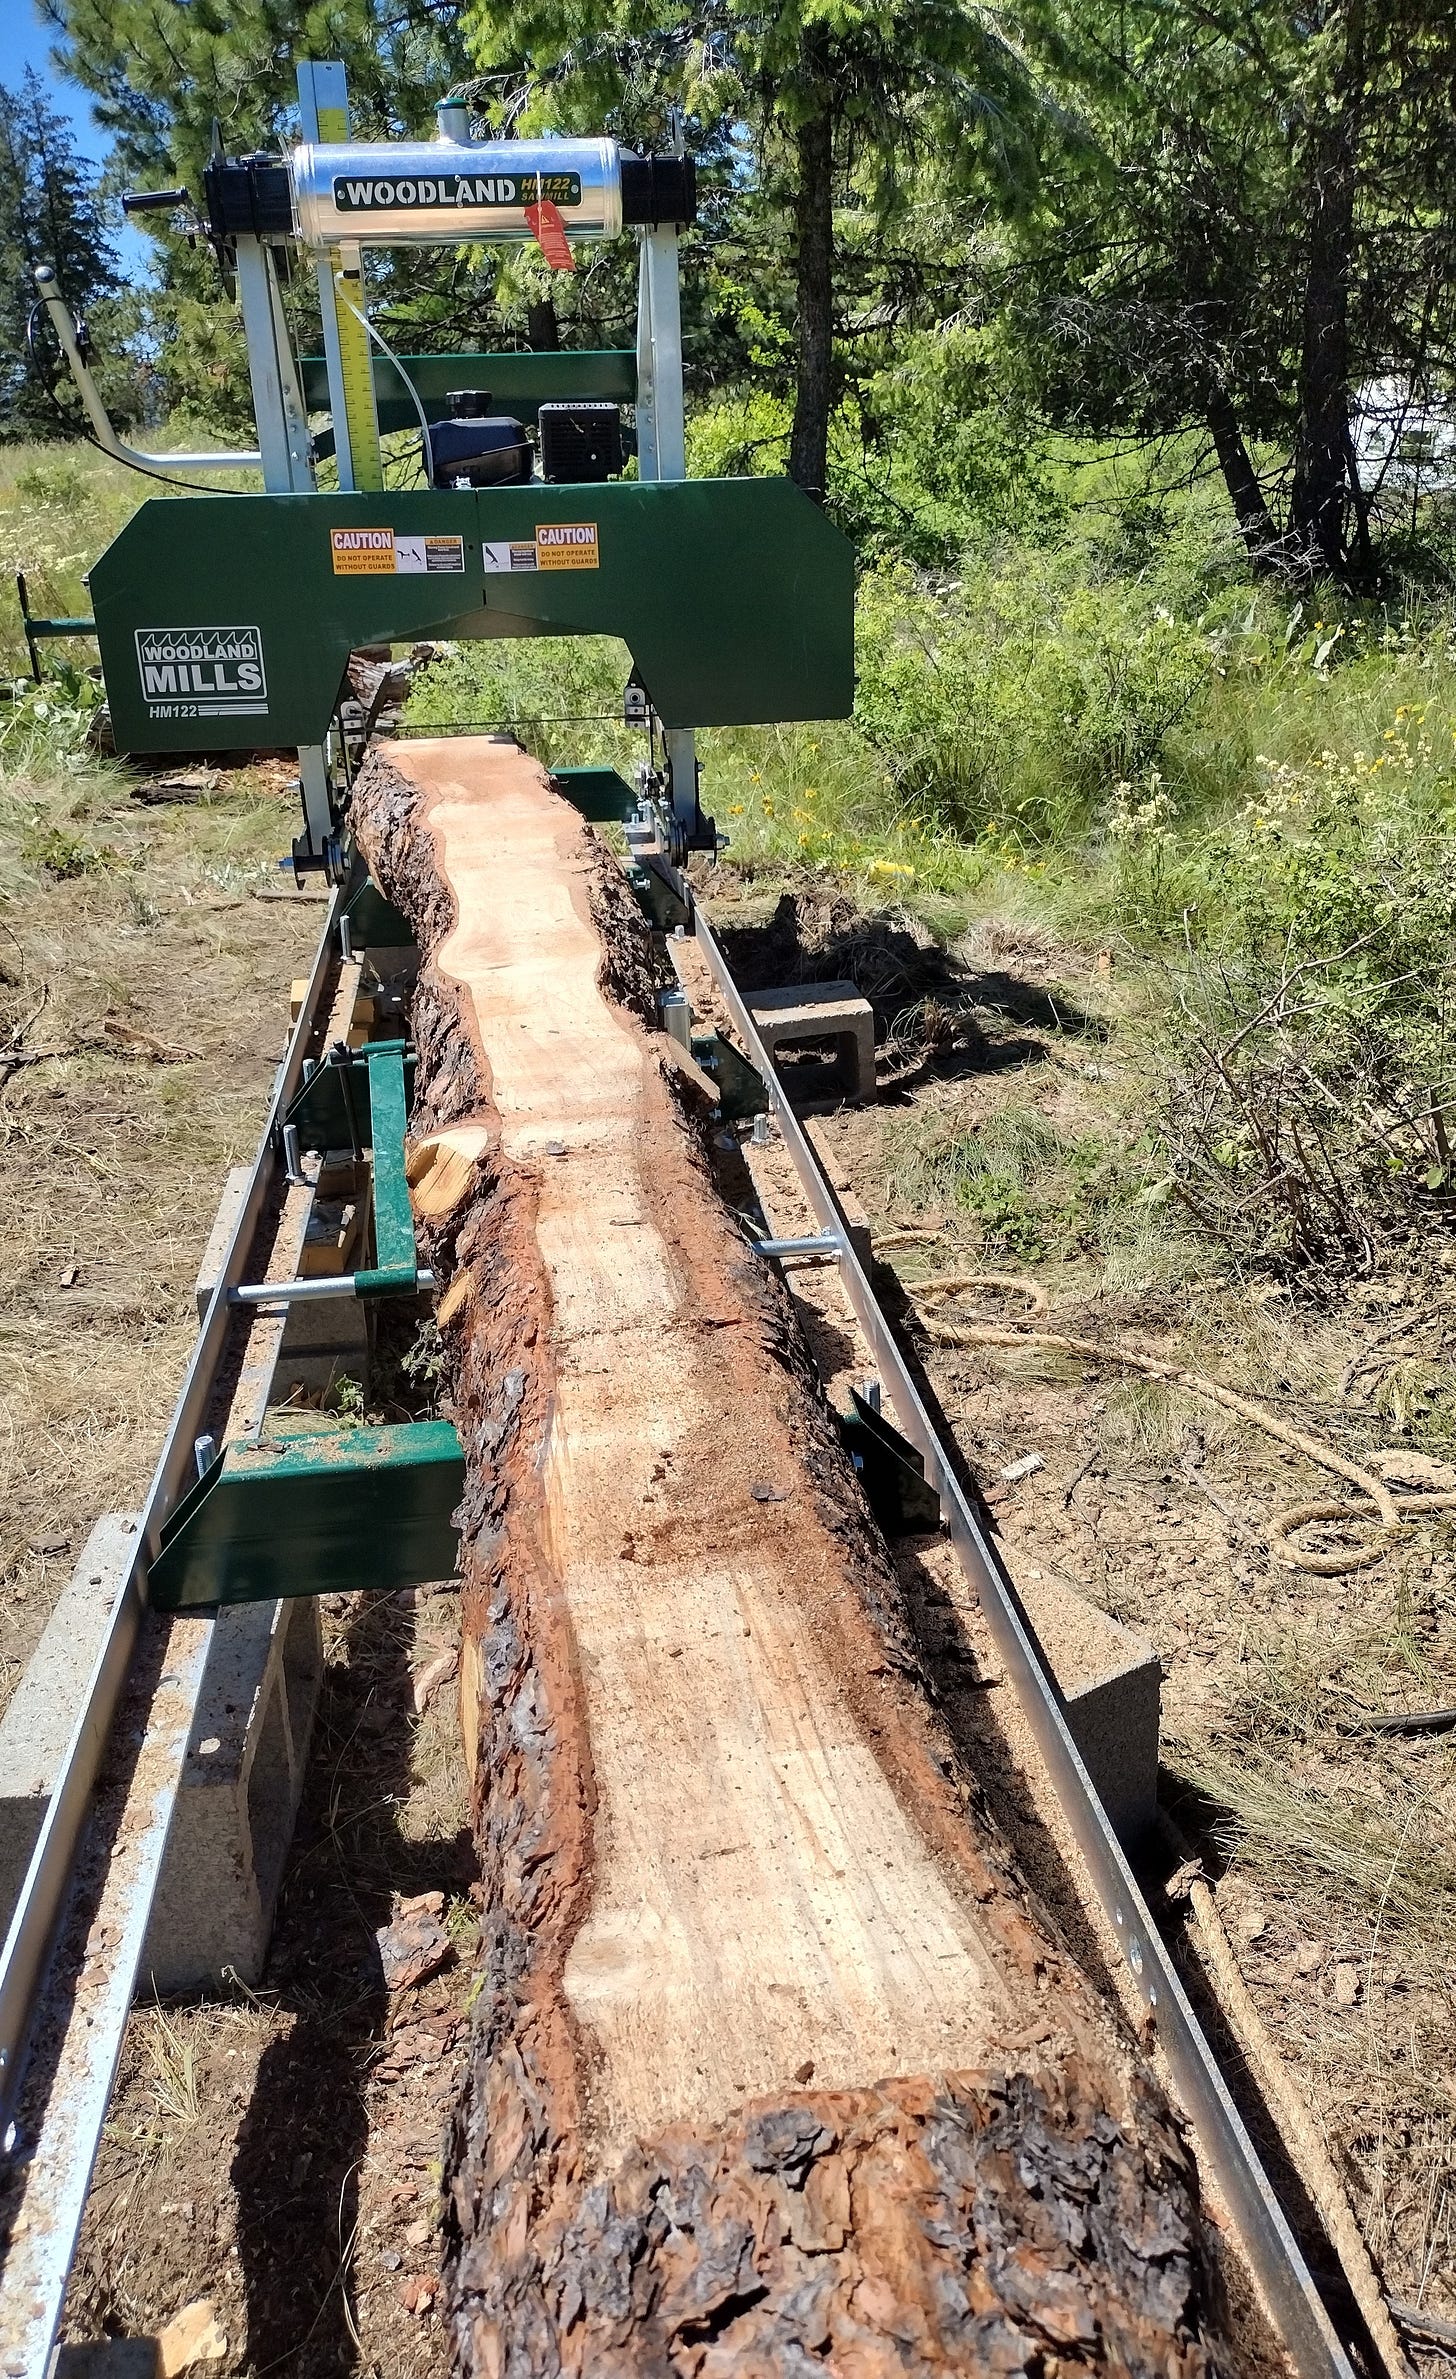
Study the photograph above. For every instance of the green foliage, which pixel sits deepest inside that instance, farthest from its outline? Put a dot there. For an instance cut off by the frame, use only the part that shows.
(1007, 706)
(1035, 1192)
(63, 854)
(50, 213)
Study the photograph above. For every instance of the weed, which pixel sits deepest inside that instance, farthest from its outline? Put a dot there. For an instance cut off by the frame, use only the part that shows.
(65, 855)
(173, 2061)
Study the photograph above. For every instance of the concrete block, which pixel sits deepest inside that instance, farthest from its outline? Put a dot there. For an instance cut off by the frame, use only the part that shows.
(213, 1913)
(110, 2358)
(1112, 1685)
(240, 1786)
(803, 1013)
(45, 1705)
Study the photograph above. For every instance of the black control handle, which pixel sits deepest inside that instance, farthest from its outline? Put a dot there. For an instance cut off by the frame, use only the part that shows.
(142, 202)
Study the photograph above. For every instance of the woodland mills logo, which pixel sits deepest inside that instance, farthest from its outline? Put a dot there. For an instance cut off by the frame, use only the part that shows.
(217, 672)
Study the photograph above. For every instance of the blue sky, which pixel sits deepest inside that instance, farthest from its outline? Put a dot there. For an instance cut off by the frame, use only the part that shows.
(26, 41)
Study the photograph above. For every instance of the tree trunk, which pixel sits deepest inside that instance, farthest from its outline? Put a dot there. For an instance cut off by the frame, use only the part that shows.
(814, 224)
(776, 2067)
(1321, 494)
(542, 328)
(1257, 525)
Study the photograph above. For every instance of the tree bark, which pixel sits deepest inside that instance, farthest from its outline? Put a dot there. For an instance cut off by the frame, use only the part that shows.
(1321, 497)
(1257, 525)
(814, 277)
(777, 2068)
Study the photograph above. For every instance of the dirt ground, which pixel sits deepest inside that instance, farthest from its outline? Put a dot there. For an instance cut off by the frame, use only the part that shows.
(279, 2152)
(151, 945)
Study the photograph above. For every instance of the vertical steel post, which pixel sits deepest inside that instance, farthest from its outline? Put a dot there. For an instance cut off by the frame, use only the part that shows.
(283, 442)
(323, 101)
(664, 312)
(662, 444)
(277, 402)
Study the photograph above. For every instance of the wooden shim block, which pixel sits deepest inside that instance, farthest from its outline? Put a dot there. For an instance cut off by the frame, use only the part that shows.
(682, 1063)
(776, 2066)
(441, 1166)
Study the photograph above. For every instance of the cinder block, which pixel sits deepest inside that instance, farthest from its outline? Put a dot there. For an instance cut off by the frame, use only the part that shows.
(240, 1785)
(213, 1913)
(110, 2358)
(803, 1013)
(1112, 1686)
(45, 1705)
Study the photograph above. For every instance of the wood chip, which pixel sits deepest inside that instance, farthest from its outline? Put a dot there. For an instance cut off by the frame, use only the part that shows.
(194, 2337)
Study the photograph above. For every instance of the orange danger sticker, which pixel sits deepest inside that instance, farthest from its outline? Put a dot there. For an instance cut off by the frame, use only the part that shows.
(567, 545)
(362, 553)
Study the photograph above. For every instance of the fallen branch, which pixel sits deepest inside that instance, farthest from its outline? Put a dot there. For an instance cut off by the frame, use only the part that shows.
(1306, 2147)
(1391, 1508)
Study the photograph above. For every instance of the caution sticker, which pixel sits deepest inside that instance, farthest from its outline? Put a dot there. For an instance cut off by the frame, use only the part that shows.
(567, 545)
(387, 553)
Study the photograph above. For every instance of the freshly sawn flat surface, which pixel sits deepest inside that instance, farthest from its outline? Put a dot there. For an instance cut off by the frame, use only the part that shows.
(776, 2065)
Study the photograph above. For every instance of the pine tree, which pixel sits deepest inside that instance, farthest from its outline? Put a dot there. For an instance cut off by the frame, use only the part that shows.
(51, 212)
(844, 107)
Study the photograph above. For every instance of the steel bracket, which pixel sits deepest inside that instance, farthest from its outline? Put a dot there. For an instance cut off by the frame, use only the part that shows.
(890, 1470)
(337, 1512)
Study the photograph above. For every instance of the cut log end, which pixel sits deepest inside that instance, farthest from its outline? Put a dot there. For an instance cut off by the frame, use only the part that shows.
(745, 2095)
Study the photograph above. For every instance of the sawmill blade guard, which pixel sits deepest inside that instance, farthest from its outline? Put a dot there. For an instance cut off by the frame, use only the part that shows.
(226, 623)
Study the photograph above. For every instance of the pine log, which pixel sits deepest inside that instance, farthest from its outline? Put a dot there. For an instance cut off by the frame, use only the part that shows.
(777, 2066)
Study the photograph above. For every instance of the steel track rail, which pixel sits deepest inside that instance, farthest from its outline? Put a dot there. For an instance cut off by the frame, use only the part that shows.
(53, 2156)
(1230, 2154)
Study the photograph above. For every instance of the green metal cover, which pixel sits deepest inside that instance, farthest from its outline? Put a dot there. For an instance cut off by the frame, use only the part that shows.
(602, 795)
(224, 623)
(376, 920)
(520, 384)
(333, 1513)
(332, 1110)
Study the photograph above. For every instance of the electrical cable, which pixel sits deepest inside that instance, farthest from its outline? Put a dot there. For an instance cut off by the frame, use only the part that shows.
(74, 429)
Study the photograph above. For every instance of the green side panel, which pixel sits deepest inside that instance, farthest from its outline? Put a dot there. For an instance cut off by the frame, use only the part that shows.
(601, 794)
(224, 625)
(741, 1089)
(656, 898)
(333, 1110)
(520, 384)
(353, 1510)
(891, 1471)
(376, 920)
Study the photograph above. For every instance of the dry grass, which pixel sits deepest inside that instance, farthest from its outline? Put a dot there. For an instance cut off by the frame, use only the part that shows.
(111, 1162)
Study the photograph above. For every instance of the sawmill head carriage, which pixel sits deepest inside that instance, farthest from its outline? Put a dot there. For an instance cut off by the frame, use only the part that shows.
(550, 496)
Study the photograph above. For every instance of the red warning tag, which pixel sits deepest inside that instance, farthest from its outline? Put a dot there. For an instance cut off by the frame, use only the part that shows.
(545, 221)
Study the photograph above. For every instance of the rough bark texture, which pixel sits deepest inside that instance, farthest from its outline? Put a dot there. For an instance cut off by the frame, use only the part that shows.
(1326, 486)
(1256, 522)
(620, 2202)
